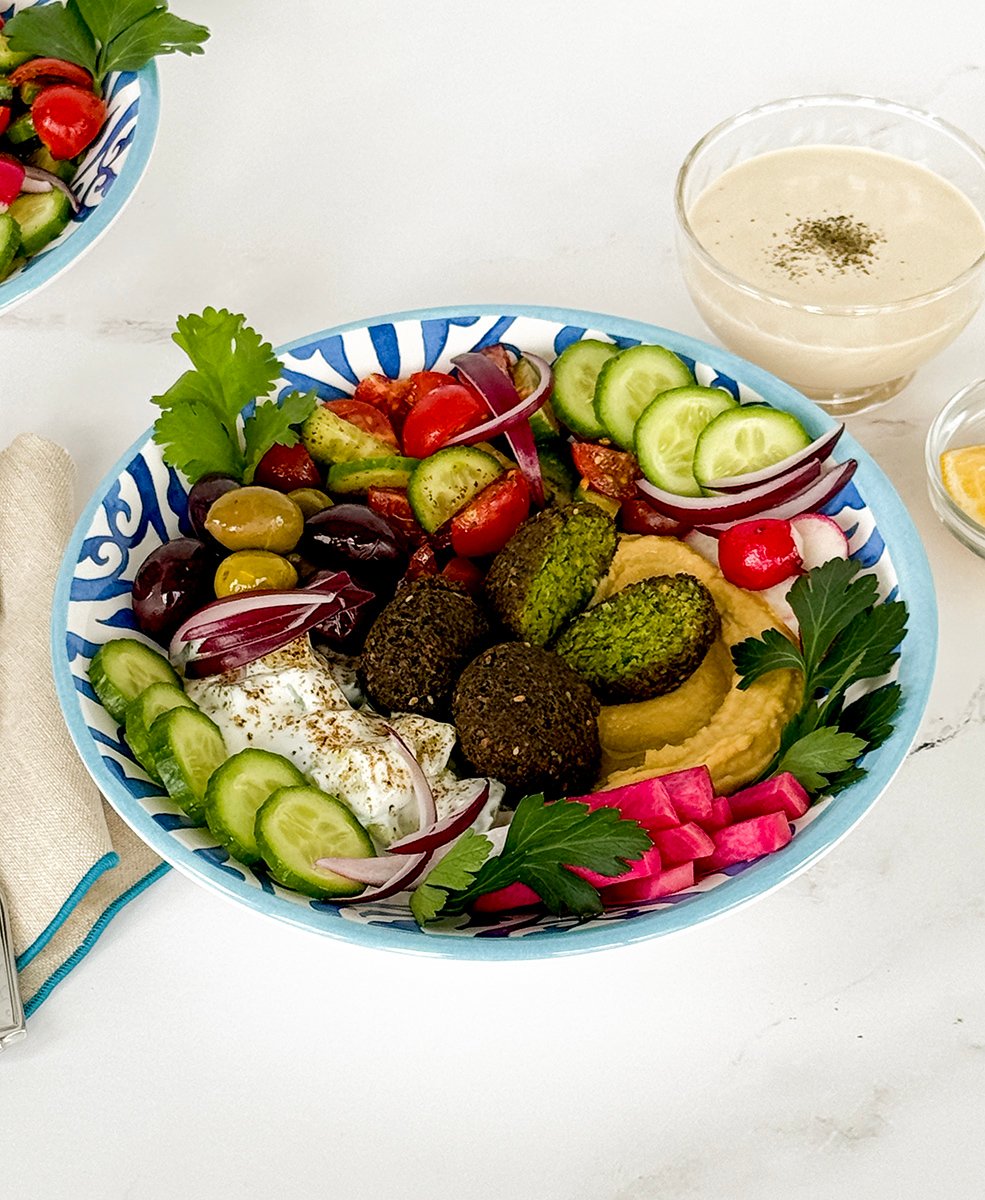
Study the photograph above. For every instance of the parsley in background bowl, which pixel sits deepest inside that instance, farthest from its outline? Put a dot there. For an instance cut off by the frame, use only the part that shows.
(117, 45)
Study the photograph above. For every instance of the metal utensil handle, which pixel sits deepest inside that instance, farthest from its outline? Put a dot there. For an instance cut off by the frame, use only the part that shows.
(12, 1027)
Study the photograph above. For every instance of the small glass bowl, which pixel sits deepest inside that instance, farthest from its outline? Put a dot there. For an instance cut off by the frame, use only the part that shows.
(961, 422)
(847, 358)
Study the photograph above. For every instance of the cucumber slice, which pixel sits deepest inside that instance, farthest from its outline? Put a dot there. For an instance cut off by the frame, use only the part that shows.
(10, 242)
(331, 439)
(560, 479)
(21, 130)
(629, 382)
(444, 483)
(187, 747)
(576, 371)
(747, 438)
(358, 477)
(543, 423)
(120, 671)
(141, 715)
(297, 825)
(64, 168)
(41, 217)
(236, 792)
(9, 59)
(667, 432)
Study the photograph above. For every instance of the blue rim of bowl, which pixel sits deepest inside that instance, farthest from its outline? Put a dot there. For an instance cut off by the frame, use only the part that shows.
(94, 226)
(809, 844)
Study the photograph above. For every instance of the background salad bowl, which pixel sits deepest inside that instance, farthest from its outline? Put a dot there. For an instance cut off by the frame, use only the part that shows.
(106, 179)
(141, 503)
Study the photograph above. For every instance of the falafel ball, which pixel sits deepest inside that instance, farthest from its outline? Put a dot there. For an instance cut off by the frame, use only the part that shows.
(416, 648)
(550, 568)
(645, 640)
(525, 718)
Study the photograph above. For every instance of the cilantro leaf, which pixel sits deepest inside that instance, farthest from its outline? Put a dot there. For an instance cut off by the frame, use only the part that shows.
(758, 656)
(871, 715)
(454, 872)
(160, 32)
(195, 441)
(819, 755)
(271, 423)
(53, 31)
(825, 601)
(107, 18)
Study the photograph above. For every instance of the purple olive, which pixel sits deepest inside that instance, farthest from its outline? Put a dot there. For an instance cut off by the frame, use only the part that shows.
(350, 535)
(201, 498)
(174, 581)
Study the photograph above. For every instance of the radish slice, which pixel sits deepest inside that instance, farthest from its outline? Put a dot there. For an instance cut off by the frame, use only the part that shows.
(819, 493)
(497, 390)
(519, 412)
(376, 871)
(819, 539)
(817, 451)
(443, 831)
(700, 511)
(427, 814)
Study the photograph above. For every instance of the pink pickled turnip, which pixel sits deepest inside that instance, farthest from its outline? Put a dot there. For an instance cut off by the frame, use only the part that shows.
(637, 891)
(783, 793)
(721, 815)
(747, 840)
(691, 793)
(683, 844)
(646, 802)
(639, 868)
(819, 539)
(514, 895)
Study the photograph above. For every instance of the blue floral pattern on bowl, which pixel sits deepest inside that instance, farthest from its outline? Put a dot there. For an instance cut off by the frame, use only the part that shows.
(142, 503)
(107, 176)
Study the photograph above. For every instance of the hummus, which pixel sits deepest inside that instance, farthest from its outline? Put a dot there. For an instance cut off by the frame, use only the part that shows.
(707, 720)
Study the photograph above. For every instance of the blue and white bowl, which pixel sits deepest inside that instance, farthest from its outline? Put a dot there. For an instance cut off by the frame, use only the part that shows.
(142, 503)
(106, 179)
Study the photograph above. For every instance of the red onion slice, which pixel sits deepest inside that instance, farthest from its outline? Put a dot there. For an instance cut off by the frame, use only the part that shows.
(412, 867)
(376, 871)
(427, 814)
(703, 510)
(497, 390)
(38, 175)
(817, 451)
(519, 412)
(809, 500)
(445, 830)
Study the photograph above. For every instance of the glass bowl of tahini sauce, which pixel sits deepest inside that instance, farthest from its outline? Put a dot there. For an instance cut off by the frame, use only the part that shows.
(837, 241)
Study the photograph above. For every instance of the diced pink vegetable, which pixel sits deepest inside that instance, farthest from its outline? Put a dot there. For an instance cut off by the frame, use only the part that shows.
(11, 179)
(683, 844)
(640, 868)
(675, 879)
(782, 793)
(721, 815)
(691, 793)
(514, 895)
(747, 840)
(647, 802)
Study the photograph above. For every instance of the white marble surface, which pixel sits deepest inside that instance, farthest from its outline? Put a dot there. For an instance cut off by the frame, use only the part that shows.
(327, 161)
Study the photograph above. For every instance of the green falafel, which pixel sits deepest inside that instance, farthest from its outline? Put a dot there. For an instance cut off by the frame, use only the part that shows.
(549, 569)
(525, 718)
(418, 645)
(644, 641)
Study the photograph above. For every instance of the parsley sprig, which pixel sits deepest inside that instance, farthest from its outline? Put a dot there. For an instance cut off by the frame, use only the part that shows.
(104, 35)
(543, 840)
(846, 636)
(199, 427)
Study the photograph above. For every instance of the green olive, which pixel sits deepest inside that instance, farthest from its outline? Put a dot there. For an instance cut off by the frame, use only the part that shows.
(310, 500)
(254, 571)
(255, 518)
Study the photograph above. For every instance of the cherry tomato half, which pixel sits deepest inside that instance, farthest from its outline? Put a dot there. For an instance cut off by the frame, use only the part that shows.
(465, 573)
(393, 506)
(50, 71)
(636, 516)
(488, 522)
(390, 396)
(285, 468)
(758, 554)
(424, 382)
(609, 471)
(423, 561)
(438, 416)
(67, 118)
(367, 418)
(4, 117)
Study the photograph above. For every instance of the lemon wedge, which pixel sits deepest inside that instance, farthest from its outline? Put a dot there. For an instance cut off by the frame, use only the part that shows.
(963, 475)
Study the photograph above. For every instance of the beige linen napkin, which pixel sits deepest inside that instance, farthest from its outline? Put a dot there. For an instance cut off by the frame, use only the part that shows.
(67, 862)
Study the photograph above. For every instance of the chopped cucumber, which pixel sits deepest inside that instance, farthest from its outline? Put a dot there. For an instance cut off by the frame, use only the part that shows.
(298, 825)
(331, 439)
(9, 59)
(350, 478)
(667, 432)
(187, 747)
(236, 792)
(21, 129)
(543, 422)
(41, 217)
(143, 712)
(557, 473)
(629, 382)
(445, 482)
(576, 371)
(120, 671)
(6, 90)
(747, 438)
(10, 242)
